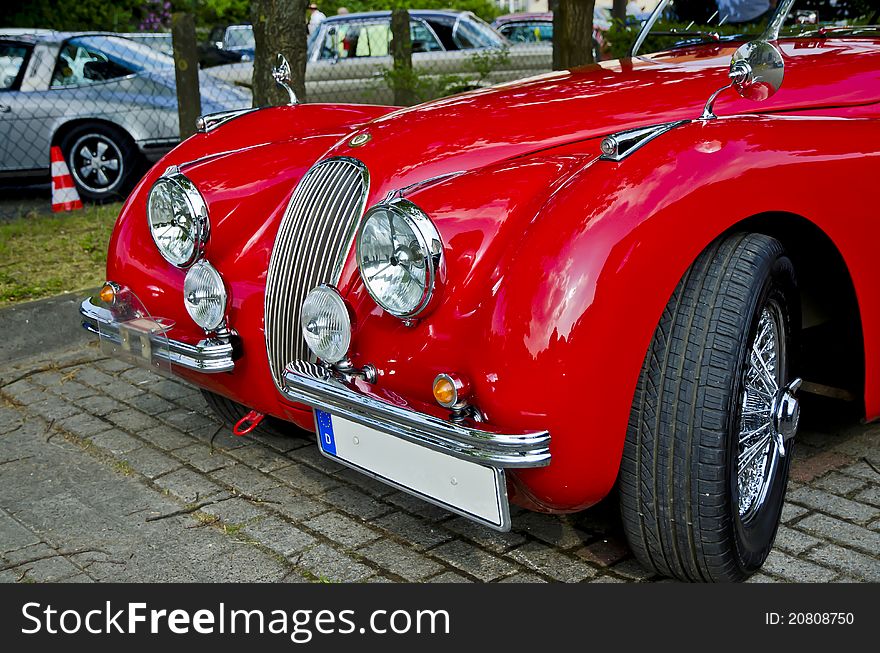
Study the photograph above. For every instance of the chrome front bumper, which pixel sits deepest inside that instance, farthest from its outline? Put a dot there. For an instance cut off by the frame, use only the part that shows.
(310, 384)
(209, 356)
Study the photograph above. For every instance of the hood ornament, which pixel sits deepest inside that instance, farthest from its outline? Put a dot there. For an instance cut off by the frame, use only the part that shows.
(281, 75)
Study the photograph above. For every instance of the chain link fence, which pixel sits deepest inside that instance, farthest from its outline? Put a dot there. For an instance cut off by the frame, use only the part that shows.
(349, 56)
(109, 101)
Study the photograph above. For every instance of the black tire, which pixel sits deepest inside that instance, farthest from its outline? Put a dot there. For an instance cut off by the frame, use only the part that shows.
(679, 485)
(230, 412)
(117, 163)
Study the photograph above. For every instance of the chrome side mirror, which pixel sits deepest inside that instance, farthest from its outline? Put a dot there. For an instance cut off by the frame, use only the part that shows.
(281, 75)
(757, 70)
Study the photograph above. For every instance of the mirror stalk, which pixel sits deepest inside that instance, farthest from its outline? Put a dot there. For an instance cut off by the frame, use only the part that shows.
(740, 73)
(281, 75)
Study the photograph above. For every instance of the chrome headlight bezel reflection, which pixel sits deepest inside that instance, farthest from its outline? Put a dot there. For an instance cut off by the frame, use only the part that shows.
(182, 193)
(424, 252)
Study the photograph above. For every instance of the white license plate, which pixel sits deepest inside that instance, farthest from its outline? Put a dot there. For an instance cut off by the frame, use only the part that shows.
(469, 489)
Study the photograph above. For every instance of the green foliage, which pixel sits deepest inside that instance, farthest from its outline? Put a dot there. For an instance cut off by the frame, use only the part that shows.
(484, 62)
(215, 12)
(424, 87)
(118, 15)
(620, 37)
(404, 79)
(115, 15)
(126, 15)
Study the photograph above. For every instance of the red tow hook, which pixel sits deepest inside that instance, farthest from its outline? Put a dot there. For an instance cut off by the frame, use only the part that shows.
(248, 423)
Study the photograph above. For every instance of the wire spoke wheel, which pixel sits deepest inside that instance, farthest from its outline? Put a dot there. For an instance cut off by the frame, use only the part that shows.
(706, 458)
(762, 380)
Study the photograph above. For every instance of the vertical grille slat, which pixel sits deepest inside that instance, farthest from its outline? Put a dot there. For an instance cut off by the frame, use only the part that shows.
(313, 240)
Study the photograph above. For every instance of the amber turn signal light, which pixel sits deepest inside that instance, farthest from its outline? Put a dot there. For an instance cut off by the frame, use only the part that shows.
(444, 391)
(449, 390)
(107, 293)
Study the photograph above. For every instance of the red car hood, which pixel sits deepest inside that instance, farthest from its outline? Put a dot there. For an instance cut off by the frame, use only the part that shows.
(468, 131)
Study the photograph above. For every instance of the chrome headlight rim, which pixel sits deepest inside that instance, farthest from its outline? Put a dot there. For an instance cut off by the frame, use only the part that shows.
(336, 298)
(220, 288)
(431, 246)
(198, 213)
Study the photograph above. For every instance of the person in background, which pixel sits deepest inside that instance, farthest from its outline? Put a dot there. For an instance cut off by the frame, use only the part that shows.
(315, 17)
(342, 11)
(745, 11)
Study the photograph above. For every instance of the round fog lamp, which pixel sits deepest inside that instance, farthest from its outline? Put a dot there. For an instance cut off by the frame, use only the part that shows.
(326, 324)
(204, 296)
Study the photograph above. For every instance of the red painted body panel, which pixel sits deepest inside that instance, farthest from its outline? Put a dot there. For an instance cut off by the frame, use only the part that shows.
(558, 264)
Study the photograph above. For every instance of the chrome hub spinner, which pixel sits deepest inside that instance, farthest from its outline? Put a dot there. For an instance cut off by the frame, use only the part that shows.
(769, 412)
(786, 414)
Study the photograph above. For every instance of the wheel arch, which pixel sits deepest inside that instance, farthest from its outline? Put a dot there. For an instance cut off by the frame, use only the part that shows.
(832, 345)
(65, 128)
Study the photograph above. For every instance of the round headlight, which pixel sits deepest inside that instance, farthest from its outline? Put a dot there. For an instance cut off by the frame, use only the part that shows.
(178, 218)
(399, 253)
(204, 296)
(326, 324)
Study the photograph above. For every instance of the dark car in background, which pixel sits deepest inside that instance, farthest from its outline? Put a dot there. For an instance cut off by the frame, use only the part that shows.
(227, 44)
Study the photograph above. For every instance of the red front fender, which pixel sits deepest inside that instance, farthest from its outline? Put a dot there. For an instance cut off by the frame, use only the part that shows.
(582, 293)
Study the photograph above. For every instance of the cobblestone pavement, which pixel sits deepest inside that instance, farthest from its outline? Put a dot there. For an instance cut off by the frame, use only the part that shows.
(109, 473)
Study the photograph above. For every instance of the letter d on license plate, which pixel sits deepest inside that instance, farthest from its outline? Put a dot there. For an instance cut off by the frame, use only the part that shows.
(469, 489)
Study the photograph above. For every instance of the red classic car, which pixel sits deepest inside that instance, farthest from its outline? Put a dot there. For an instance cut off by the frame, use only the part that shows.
(608, 277)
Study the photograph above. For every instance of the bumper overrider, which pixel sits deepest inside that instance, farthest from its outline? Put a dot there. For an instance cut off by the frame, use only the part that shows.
(318, 387)
(156, 348)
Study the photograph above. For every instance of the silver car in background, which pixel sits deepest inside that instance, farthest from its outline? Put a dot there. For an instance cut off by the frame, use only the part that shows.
(349, 56)
(108, 102)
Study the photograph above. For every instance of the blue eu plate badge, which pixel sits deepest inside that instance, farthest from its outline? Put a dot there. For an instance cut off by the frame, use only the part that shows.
(325, 432)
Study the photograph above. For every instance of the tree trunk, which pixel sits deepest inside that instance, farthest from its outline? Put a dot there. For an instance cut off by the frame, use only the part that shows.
(573, 34)
(279, 27)
(186, 72)
(618, 10)
(402, 76)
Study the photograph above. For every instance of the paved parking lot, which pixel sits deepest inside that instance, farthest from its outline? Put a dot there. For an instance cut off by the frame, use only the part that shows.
(109, 473)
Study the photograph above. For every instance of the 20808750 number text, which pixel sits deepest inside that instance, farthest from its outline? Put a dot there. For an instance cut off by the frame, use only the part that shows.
(809, 618)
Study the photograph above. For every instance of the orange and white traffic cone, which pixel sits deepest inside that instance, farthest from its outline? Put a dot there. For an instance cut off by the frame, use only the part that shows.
(64, 195)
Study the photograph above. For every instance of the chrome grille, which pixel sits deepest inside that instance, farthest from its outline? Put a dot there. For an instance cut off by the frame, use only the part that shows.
(313, 240)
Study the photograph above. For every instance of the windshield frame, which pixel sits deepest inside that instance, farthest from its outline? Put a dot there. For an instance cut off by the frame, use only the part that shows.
(770, 34)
